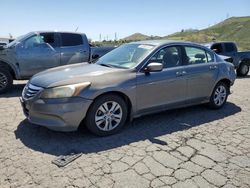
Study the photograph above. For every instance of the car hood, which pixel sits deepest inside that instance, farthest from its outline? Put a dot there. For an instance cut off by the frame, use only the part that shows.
(72, 74)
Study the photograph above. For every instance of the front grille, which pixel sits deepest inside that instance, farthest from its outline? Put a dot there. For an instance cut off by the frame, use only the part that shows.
(30, 91)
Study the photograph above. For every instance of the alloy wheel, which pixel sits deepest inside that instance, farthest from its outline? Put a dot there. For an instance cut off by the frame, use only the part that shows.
(220, 95)
(3, 81)
(244, 69)
(108, 116)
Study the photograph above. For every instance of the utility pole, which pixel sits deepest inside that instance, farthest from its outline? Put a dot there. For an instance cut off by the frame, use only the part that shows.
(115, 36)
(76, 29)
(100, 37)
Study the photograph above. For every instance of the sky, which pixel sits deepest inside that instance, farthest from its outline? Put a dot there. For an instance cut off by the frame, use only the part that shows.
(107, 17)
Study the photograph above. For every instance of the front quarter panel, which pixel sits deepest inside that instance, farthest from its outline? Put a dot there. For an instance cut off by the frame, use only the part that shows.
(123, 82)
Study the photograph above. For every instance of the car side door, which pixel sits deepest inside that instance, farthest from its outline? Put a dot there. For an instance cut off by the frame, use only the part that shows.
(37, 53)
(201, 71)
(73, 48)
(165, 89)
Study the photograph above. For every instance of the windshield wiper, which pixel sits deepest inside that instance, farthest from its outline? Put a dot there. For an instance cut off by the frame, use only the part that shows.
(105, 65)
(113, 66)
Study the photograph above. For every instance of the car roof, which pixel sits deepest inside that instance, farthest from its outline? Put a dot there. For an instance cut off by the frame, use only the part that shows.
(71, 32)
(165, 42)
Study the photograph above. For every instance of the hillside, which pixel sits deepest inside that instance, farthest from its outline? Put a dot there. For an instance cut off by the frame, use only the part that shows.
(235, 29)
(139, 36)
(136, 36)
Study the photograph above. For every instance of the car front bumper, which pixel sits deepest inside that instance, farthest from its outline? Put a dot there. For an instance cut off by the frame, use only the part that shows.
(63, 114)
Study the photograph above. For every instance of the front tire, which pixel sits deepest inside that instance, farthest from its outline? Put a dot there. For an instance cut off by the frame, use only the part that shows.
(107, 115)
(219, 96)
(6, 80)
(243, 69)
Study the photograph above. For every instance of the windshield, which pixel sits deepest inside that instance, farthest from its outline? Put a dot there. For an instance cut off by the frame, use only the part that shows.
(17, 40)
(126, 56)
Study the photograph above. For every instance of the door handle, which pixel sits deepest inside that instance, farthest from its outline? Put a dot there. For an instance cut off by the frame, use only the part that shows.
(184, 72)
(213, 67)
(82, 51)
(178, 73)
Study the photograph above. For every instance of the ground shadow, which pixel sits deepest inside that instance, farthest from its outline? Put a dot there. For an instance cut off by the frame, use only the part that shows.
(15, 91)
(243, 77)
(147, 127)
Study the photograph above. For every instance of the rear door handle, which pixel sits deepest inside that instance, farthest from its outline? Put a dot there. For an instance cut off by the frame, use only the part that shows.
(178, 73)
(184, 72)
(82, 51)
(213, 67)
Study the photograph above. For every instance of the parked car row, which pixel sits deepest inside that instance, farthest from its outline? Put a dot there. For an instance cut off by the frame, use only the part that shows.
(130, 81)
(38, 51)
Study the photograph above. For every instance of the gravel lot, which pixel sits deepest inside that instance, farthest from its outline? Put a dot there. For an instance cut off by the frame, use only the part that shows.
(192, 147)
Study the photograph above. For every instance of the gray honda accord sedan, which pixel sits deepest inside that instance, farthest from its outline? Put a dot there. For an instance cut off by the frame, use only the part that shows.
(133, 80)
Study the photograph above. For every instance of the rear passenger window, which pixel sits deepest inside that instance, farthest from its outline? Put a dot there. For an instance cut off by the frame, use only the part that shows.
(210, 57)
(49, 38)
(197, 56)
(230, 47)
(69, 39)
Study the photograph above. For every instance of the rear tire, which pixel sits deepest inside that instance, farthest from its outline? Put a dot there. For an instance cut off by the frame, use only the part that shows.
(219, 96)
(107, 115)
(6, 80)
(243, 69)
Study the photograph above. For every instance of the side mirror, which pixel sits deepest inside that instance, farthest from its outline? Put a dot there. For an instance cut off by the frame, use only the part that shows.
(154, 67)
(215, 50)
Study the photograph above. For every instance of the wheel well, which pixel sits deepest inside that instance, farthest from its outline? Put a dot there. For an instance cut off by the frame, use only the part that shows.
(246, 60)
(5, 65)
(124, 97)
(227, 82)
(118, 93)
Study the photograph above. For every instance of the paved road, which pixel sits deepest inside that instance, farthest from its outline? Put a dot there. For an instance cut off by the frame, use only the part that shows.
(192, 147)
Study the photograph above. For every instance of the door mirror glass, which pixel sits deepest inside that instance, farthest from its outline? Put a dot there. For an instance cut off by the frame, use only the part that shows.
(215, 50)
(154, 67)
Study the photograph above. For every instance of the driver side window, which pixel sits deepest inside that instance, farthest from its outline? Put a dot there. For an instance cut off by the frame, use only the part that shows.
(33, 41)
(169, 57)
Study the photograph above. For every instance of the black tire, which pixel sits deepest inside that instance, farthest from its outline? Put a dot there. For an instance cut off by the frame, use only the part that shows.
(6, 80)
(213, 103)
(243, 69)
(90, 120)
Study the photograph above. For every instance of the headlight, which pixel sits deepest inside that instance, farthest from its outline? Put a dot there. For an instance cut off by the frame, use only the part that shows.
(64, 91)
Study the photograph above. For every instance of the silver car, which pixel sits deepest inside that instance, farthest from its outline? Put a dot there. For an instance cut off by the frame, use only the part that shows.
(133, 80)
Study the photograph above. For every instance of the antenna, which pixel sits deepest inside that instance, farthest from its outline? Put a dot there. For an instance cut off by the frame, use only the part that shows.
(100, 37)
(10, 35)
(76, 29)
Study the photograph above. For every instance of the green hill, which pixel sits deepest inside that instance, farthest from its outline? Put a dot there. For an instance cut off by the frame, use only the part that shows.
(235, 29)
(136, 36)
(139, 36)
